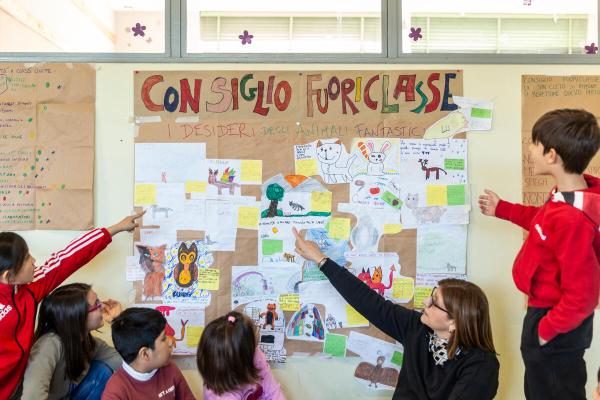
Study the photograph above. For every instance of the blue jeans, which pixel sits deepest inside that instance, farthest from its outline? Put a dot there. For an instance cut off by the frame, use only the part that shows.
(92, 386)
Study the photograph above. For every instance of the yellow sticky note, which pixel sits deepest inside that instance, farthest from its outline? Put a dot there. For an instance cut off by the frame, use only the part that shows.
(403, 288)
(251, 171)
(306, 167)
(320, 202)
(390, 229)
(208, 278)
(193, 334)
(248, 217)
(289, 301)
(354, 318)
(437, 195)
(195, 187)
(145, 194)
(339, 228)
(421, 292)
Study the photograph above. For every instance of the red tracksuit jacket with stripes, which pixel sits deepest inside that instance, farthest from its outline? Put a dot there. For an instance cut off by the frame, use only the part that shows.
(18, 304)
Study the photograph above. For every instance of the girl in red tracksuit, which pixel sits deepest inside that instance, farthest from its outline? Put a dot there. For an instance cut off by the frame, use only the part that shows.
(22, 287)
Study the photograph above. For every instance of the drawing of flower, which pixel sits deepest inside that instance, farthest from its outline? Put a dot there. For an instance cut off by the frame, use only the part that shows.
(415, 34)
(591, 49)
(246, 37)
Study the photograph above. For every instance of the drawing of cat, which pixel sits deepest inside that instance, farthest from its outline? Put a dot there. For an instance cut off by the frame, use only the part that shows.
(423, 215)
(186, 271)
(152, 259)
(375, 281)
(328, 155)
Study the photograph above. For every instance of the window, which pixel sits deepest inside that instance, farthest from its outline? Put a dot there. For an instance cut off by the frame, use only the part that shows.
(234, 26)
(504, 27)
(82, 26)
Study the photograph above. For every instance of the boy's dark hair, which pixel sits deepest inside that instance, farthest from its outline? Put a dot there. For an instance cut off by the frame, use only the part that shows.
(134, 328)
(226, 353)
(13, 252)
(598, 375)
(64, 312)
(574, 134)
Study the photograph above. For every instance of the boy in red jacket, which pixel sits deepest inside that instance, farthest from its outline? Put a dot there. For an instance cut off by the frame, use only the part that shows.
(557, 267)
(23, 286)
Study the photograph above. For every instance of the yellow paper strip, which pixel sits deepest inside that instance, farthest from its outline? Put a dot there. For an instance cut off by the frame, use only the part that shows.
(193, 334)
(195, 187)
(208, 278)
(421, 292)
(248, 217)
(251, 171)
(390, 229)
(339, 228)
(437, 195)
(306, 167)
(354, 318)
(145, 194)
(403, 288)
(289, 301)
(320, 202)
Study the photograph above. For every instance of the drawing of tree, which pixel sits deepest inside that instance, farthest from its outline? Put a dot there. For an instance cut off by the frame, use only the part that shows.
(275, 194)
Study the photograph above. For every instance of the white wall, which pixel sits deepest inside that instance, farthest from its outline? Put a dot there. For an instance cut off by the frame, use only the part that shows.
(494, 162)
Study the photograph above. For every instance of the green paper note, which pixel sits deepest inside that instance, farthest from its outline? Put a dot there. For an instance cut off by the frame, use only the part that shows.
(272, 246)
(481, 113)
(397, 358)
(454, 163)
(335, 345)
(456, 195)
(391, 199)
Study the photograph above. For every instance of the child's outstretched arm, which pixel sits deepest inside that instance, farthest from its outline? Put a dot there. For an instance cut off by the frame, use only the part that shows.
(392, 319)
(77, 253)
(491, 204)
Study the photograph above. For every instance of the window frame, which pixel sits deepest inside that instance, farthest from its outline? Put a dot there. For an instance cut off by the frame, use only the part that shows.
(391, 49)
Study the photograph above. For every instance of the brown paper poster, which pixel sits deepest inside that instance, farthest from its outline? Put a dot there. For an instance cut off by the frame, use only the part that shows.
(47, 158)
(262, 115)
(542, 93)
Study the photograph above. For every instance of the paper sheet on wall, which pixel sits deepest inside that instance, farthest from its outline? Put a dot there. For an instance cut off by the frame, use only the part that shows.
(168, 162)
(184, 326)
(442, 249)
(47, 126)
(380, 363)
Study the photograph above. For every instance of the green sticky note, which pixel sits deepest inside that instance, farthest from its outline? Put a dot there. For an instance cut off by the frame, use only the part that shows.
(454, 163)
(481, 112)
(397, 358)
(456, 195)
(391, 199)
(335, 345)
(272, 246)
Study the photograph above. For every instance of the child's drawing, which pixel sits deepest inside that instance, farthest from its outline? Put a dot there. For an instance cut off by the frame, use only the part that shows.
(224, 181)
(183, 260)
(183, 323)
(271, 328)
(251, 283)
(441, 249)
(334, 161)
(376, 270)
(376, 159)
(152, 259)
(307, 324)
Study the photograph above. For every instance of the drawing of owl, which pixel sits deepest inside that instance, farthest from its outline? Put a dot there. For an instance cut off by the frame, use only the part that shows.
(186, 271)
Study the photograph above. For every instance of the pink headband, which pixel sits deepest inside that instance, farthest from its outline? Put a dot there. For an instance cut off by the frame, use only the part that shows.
(231, 319)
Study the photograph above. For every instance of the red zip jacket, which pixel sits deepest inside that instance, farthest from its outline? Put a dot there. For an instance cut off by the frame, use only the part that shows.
(18, 304)
(558, 267)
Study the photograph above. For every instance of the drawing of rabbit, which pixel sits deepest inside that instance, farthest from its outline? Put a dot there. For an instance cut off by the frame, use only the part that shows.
(376, 158)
